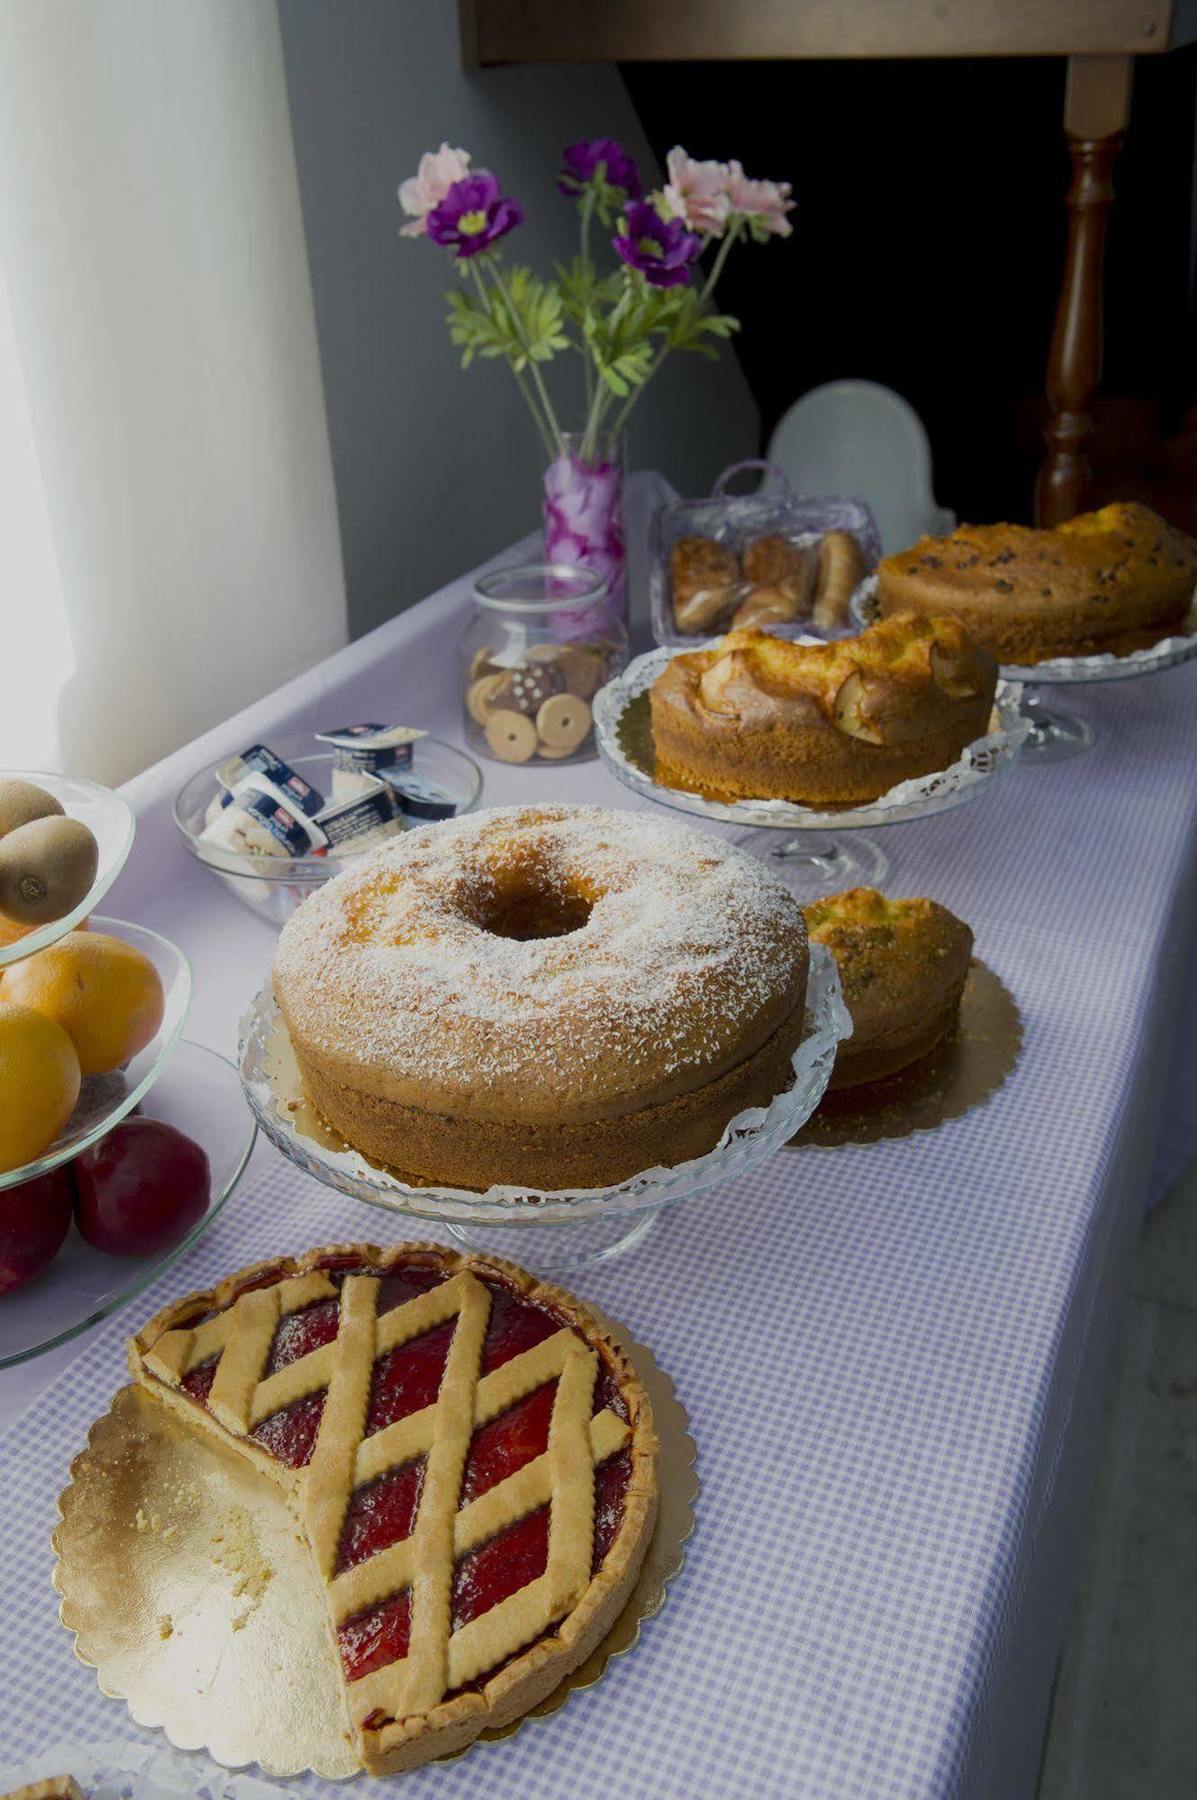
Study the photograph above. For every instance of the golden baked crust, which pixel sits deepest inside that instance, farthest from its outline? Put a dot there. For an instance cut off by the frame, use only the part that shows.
(842, 566)
(536, 992)
(706, 580)
(826, 724)
(1105, 582)
(480, 1153)
(559, 1629)
(53, 1787)
(902, 966)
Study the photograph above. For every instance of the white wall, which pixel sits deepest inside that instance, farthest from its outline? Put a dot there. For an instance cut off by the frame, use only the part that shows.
(152, 248)
(437, 468)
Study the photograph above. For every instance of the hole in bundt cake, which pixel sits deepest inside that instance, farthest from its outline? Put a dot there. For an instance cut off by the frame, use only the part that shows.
(525, 902)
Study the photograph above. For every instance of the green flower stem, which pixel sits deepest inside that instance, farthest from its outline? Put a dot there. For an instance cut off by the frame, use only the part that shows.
(524, 389)
(599, 404)
(731, 236)
(550, 416)
(587, 216)
(588, 371)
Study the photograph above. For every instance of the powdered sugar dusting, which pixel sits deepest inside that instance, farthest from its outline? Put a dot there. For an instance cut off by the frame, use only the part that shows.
(689, 945)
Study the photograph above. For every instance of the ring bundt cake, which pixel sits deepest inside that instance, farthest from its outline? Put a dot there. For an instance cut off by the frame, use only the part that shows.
(1105, 582)
(903, 965)
(835, 724)
(551, 996)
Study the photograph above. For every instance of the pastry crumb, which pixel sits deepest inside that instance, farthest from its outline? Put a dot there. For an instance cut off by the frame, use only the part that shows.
(165, 1626)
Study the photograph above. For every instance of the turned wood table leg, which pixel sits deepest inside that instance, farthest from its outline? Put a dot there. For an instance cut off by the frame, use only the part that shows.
(1096, 104)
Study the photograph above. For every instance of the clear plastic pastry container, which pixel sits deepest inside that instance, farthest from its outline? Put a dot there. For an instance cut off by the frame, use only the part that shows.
(541, 640)
(273, 886)
(782, 562)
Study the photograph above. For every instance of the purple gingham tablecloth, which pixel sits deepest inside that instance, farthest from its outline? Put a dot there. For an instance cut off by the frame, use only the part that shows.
(892, 1356)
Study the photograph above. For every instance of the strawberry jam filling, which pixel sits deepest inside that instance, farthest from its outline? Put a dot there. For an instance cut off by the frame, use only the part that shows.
(405, 1381)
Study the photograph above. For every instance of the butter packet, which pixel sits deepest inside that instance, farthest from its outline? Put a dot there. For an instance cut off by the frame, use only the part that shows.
(259, 759)
(366, 750)
(362, 821)
(418, 797)
(259, 821)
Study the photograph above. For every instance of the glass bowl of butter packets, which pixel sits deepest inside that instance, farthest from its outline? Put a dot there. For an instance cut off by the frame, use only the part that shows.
(273, 823)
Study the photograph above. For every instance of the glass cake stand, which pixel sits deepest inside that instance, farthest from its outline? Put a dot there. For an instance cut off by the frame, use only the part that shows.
(557, 1230)
(1056, 733)
(822, 852)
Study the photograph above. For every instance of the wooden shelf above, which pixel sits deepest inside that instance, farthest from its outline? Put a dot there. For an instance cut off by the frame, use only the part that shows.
(571, 31)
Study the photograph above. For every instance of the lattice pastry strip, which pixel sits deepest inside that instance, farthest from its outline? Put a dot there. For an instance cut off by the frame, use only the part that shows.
(344, 1459)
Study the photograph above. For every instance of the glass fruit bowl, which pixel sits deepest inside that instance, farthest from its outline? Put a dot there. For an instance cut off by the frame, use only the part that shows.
(103, 1099)
(109, 818)
(581, 1226)
(273, 886)
(200, 1095)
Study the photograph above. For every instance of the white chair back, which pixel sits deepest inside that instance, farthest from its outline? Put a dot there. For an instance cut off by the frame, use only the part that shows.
(857, 437)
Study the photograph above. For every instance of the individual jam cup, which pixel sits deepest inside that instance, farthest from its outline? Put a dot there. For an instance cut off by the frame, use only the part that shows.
(542, 639)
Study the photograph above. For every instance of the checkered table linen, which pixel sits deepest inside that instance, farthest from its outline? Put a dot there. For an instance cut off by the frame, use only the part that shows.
(892, 1355)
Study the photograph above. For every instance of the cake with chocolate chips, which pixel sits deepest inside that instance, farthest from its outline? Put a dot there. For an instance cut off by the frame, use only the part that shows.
(1106, 582)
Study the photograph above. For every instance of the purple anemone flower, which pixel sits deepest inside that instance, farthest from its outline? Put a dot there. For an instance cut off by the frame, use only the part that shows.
(581, 161)
(662, 249)
(473, 215)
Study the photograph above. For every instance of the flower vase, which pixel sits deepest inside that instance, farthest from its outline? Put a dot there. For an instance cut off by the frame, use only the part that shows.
(583, 516)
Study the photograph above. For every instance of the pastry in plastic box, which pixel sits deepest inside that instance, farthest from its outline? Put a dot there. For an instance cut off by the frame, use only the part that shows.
(773, 561)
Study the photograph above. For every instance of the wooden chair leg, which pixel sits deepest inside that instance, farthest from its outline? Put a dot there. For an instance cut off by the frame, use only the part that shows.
(1096, 105)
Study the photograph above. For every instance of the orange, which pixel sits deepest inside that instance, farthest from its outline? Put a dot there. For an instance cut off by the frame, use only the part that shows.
(12, 933)
(105, 994)
(39, 1083)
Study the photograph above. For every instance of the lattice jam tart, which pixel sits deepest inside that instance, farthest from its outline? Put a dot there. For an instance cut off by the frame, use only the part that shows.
(471, 1457)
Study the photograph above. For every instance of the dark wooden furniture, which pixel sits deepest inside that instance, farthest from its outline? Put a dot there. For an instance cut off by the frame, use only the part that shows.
(1100, 39)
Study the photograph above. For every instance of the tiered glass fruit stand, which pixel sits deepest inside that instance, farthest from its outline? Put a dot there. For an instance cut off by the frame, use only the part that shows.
(181, 1083)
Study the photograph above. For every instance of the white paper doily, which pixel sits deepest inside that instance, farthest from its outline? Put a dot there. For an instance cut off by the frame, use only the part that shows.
(1059, 669)
(979, 765)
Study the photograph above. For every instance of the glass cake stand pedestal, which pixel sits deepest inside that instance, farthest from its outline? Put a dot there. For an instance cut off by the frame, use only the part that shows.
(1058, 733)
(551, 1232)
(814, 852)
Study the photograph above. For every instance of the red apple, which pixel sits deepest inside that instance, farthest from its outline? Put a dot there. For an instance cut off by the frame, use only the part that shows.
(34, 1218)
(140, 1188)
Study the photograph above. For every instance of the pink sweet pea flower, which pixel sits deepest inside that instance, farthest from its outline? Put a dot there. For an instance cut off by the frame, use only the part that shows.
(438, 170)
(763, 203)
(697, 192)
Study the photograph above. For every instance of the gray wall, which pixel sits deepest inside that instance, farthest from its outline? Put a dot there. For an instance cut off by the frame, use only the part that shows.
(437, 468)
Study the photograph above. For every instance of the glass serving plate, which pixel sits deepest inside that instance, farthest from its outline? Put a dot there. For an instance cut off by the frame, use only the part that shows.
(574, 1227)
(273, 886)
(1056, 734)
(109, 817)
(625, 745)
(103, 1099)
(200, 1095)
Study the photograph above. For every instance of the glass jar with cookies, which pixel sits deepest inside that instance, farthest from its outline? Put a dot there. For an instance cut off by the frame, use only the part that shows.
(541, 640)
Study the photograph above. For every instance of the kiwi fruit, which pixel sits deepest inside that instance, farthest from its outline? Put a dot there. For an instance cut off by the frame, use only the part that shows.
(47, 867)
(21, 802)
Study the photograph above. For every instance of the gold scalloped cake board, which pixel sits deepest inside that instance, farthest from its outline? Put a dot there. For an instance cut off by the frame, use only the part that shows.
(958, 1074)
(190, 1592)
